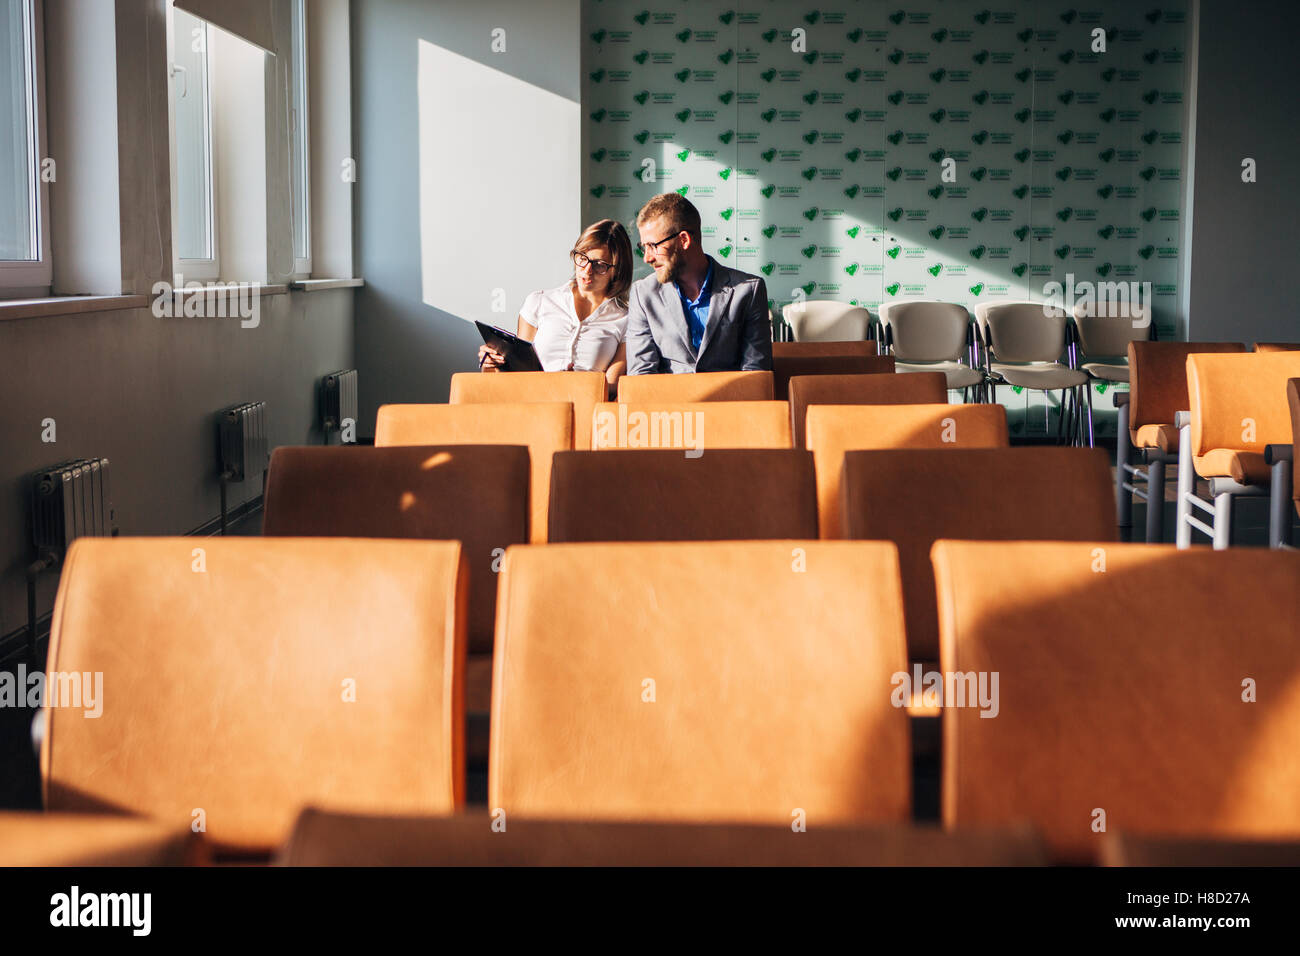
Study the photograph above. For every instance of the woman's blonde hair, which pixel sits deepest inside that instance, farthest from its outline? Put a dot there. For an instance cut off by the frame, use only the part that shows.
(610, 234)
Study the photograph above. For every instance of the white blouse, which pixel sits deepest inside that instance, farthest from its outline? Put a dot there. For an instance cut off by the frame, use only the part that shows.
(564, 343)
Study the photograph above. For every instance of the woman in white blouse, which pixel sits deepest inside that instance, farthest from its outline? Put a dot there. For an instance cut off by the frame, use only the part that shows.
(580, 325)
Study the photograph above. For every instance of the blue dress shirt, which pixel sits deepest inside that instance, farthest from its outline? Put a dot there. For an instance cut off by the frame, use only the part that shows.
(697, 309)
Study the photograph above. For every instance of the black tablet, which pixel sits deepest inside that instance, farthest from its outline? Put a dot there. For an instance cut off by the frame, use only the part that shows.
(520, 354)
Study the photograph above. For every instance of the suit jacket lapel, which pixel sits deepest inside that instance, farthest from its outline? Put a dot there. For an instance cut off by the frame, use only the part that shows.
(674, 315)
(719, 302)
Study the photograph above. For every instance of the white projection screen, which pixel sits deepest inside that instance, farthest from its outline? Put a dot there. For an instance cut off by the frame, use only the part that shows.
(499, 187)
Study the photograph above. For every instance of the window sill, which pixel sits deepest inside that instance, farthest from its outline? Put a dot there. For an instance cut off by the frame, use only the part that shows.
(232, 288)
(320, 285)
(69, 305)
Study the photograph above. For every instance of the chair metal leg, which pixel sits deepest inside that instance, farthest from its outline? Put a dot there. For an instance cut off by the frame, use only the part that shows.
(1087, 389)
(1156, 502)
(1222, 521)
(1279, 505)
(1186, 485)
(1123, 454)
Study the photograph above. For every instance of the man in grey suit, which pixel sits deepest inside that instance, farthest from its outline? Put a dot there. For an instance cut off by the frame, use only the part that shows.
(694, 314)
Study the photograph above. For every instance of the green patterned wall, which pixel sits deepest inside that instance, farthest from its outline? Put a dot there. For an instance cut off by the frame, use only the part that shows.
(816, 159)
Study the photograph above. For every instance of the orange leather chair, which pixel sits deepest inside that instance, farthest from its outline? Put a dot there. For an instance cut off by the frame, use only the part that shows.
(582, 389)
(246, 678)
(834, 429)
(1293, 400)
(745, 682)
(696, 387)
(914, 497)
(920, 388)
(1127, 678)
(727, 494)
(1238, 408)
(545, 427)
(693, 426)
(809, 349)
(1277, 346)
(92, 839)
(786, 368)
(1126, 849)
(336, 839)
(1145, 427)
(475, 494)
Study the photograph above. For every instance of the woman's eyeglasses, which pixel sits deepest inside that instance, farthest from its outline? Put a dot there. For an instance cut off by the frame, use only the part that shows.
(598, 266)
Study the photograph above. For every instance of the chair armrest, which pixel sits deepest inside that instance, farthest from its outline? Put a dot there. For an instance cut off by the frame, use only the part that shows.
(1276, 453)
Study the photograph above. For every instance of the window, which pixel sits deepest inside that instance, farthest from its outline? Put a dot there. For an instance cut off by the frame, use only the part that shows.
(194, 230)
(299, 175)
(25, 267)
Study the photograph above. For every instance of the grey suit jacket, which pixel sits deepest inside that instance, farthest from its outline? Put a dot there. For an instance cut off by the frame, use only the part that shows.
(737, 336)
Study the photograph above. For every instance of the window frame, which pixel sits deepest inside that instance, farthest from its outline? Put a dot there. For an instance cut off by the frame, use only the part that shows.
(185, 270)
(300, 127)
(20, 278)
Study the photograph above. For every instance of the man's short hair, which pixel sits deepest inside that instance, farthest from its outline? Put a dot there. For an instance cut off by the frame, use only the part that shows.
(676, 210)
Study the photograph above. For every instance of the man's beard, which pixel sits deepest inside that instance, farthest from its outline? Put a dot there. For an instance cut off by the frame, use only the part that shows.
(674, 266)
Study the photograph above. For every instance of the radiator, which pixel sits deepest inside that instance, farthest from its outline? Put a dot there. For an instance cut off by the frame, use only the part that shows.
(70, 501)
(338, 399)
(244, 445)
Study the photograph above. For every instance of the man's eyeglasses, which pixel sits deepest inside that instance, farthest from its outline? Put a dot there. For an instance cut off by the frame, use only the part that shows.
(598, 266)
(642, 247)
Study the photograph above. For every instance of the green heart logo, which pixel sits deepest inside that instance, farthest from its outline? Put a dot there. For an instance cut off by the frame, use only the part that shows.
(599, 154)
(1064, 138)
(810, 214)
(598, 191)
(977, 252)
(936, 192)
(853, 115)
(725, 251)
(852, 155)
(1068, 16)
(1106, 155)
(1109, 74)
(769, 35)
(642, 57)
(853, 233)
(727, 97)
(895, 137)
(979, 214)
(810, 137)
(895, 173)
(768, 155)
(851, 270)
(981, 57)
(1065, 214)
(598, 115)
(937, 232)
(727, 213)
(598, 36)
(810, 58)
(1150, 136)
(893, 288)
(1062, 252)
(1153, 16)
(980, 137)
(768, 115)
(810, 98)
(938, 75)
(1024, 75)
(727, 136)
(1020, 192)
(897, 17)
(1022, 116)
(726, 57)
(938, 115)
(1107, 115)
(1105, 191)
(809, 251)
(1022, 155)
(854, 35)
(935, 269)
(597, 76)
(938, 36)
(684, 35)
(767, 269)
(1021, 269)
(683, 116)
(811, 17)
(938, 155)
(896, 57)
(767, 191)
(977, 288)
(1066, 57)
(727, 17)
(1145, 251)
(809, 173)
(1024, 35)
(642, 136)
(683, 154)
(1150, 97)
(895, 214)
(1064, 174)
(1022, 233)
(979, 173)
(808, 287)
(1151, 56)
(893, 252)
(895, 97)
(1068, 96)
(1103, 270)
(642, 97)
(982, 17)
(682, 190)
(769, 231)
(1149, 213)
(1018, 389)
(1106, 231)
(682, 75)
(725, 174)
(1148, 173)
(768, 75)
(642, 17)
